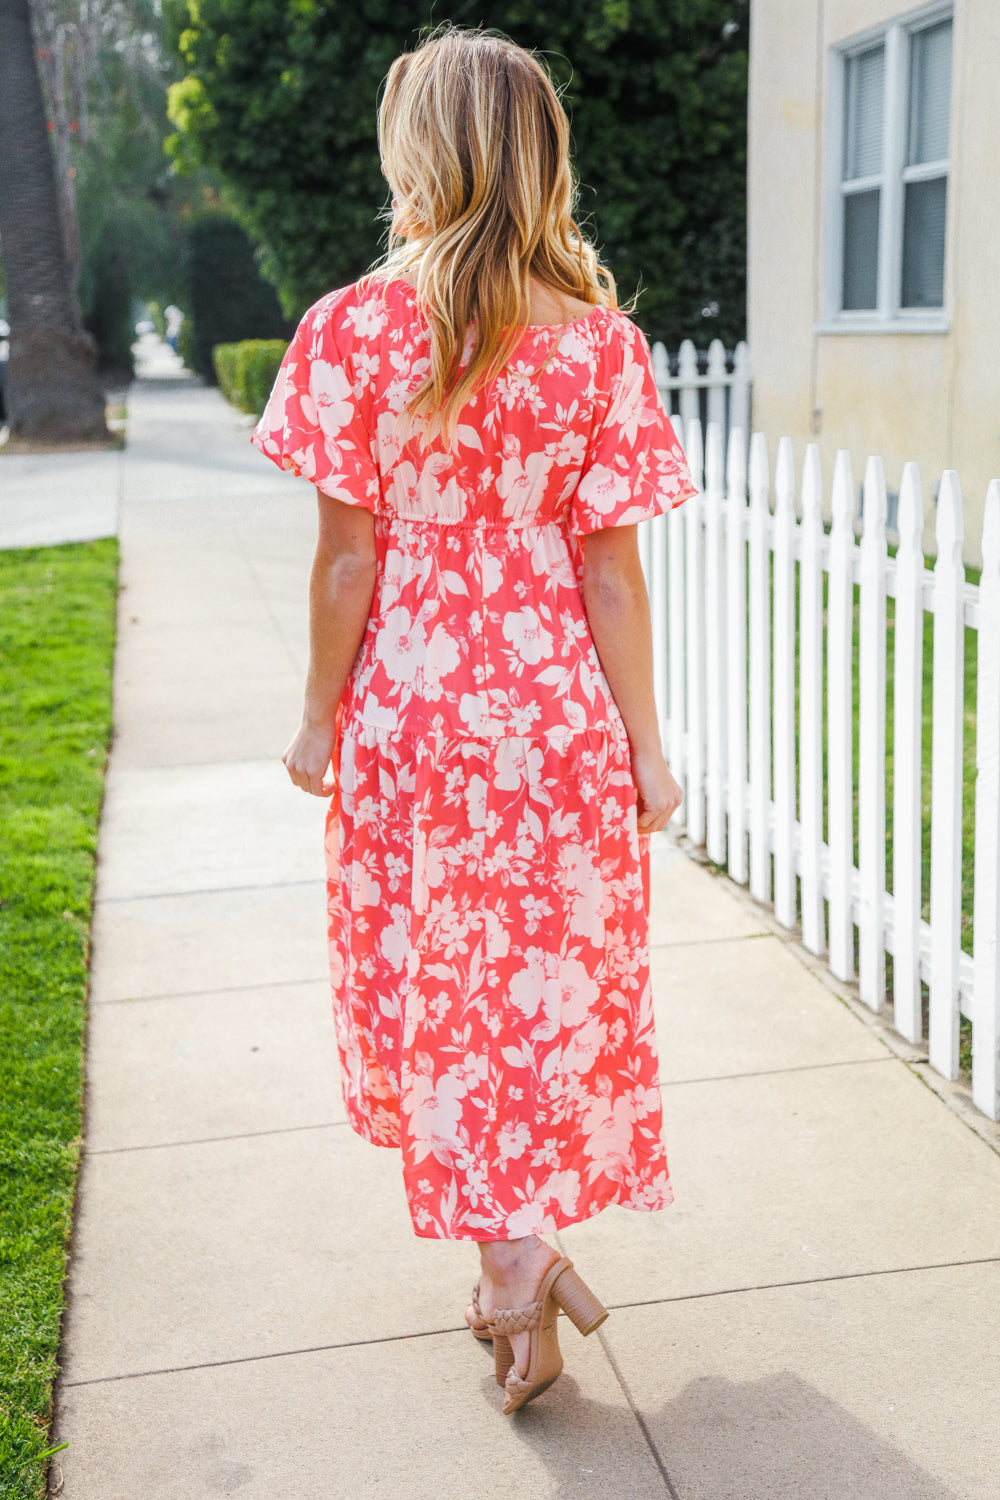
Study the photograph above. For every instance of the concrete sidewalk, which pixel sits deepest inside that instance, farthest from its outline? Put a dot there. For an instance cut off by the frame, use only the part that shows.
(49, 498)
(817, 1316)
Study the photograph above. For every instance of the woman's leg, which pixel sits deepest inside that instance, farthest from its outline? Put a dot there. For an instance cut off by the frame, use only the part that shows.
(512, 1272)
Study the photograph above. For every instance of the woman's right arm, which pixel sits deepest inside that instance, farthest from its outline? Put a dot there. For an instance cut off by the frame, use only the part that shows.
(341, 587)
(614, 596)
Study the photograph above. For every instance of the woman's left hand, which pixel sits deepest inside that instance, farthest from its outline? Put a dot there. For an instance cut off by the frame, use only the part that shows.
(307, 758)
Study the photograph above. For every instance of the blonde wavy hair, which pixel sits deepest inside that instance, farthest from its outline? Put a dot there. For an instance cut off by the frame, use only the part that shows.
(475, 146)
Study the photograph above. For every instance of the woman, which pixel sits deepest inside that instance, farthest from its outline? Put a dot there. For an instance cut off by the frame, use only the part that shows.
(484, 433)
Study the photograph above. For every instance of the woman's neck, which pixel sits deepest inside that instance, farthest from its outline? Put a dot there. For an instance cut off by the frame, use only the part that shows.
(545, 304)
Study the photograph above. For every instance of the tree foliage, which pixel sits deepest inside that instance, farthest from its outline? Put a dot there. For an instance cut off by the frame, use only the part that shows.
(124, 209)
(105, 76)
(280, 96)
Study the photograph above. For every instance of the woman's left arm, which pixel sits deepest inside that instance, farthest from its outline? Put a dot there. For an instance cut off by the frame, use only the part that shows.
(341, 586)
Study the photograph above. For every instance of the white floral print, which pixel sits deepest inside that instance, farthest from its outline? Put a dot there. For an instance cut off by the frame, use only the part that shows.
(487, 884)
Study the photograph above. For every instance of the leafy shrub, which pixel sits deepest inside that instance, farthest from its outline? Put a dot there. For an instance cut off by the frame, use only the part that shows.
(227, 298)
(247, 371)
(106, 289)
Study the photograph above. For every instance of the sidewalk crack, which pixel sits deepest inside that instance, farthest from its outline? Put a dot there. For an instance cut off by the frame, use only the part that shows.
(212, 1140)
(213, 890)
(639, 1418)
(710, 942)
(220, 989)
(770, 1286)
(427, 1333)
(250, 1359)
(626, 1392)
(840, 1062)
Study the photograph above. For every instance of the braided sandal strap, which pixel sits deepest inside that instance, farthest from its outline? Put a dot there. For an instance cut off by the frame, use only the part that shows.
(516, 1319)
(515, 1385)
(474, 1299)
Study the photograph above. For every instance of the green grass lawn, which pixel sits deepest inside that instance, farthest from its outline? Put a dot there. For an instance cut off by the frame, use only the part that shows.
(57, 613)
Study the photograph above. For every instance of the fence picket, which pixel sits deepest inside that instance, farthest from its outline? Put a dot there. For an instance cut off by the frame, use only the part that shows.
(718, 382)
(656, 540)
(739, 392)
(871, 740)
(687, 375)
(736, 652)
(811, 703)
(760, 671)
(986, 950)
(695, 625)
(715, 652)
(731, 621)
(907, 736)
(783, 636)
(661, 372)
(840, 719)
(646, 562)
(677, 739)
(946, 778)
(726, 399)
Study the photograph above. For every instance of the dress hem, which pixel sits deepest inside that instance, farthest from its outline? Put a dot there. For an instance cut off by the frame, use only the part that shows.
(554, 1223)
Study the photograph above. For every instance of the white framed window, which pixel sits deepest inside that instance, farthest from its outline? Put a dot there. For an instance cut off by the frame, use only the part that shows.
(887, 175)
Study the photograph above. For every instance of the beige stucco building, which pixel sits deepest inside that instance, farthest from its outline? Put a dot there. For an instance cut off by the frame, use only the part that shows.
(874, 235)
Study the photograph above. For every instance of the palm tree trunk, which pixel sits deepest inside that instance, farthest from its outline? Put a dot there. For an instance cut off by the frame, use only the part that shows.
(52, 392)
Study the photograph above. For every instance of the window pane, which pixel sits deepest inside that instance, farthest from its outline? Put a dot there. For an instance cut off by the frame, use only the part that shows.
(930, 94)
(861, 250)
(863, 84)
(923, 243)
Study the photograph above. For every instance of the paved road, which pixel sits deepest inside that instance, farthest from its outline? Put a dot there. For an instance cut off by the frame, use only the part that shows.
(817, 1316)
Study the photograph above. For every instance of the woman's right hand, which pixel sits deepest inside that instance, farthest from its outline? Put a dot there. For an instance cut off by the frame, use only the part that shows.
(307, 758)
(657, 792)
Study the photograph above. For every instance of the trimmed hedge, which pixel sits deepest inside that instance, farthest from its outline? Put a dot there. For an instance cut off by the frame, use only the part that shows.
(247, 371)
(227, 298)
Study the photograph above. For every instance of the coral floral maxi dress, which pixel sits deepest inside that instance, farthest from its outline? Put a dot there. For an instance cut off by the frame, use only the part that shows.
(488, 922)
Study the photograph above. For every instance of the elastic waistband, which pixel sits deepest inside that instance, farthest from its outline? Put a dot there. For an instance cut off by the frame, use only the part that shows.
(355, 727)
(395, 518)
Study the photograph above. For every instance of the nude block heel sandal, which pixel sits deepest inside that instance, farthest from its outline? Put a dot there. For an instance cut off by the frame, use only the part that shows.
(563, 1288)
(577, 1300)
(503, 1359)
(483, 1330)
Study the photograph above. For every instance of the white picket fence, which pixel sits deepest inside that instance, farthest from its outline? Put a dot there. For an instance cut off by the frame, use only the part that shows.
(750, 601)
(720, 396)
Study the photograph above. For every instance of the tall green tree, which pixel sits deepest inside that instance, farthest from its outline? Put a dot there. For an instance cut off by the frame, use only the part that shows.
(51, 391)
(280, 97)
(105, 72)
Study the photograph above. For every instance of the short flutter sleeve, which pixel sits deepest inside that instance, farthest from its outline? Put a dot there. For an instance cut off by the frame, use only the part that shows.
(635, 467)
(315, 420)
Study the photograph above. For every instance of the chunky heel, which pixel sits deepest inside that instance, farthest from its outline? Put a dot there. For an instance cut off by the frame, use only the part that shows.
(578, 1302)
(503, 1358)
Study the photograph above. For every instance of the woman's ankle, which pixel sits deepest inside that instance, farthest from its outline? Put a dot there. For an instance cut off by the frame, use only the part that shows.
(503, 1258)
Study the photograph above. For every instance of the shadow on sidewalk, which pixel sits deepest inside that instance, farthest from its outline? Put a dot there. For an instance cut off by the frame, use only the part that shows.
(777, 1438)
